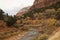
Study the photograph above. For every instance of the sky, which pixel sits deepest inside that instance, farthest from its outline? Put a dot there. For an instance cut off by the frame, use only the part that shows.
(13, 6)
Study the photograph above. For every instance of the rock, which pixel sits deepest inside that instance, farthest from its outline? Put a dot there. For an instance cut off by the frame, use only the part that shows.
(43, 3)
(36, 5)
(22, 11)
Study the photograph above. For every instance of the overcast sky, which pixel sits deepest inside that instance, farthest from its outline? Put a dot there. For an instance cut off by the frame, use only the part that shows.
(13, 6)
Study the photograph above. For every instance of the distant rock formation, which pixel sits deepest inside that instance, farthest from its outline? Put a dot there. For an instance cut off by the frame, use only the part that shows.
(22, 11)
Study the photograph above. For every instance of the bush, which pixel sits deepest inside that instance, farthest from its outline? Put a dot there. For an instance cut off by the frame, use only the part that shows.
(51, 21)
(42, 37)
(10, 21)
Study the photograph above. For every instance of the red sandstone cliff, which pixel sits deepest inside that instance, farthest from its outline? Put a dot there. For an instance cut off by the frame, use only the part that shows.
(36, 5)
(43, 3)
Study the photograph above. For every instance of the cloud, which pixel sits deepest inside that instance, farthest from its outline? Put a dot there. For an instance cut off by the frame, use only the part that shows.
(12, 4)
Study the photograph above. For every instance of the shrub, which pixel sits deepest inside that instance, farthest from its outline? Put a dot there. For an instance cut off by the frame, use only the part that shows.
(42, 37)
(10, 21)
(51, 21)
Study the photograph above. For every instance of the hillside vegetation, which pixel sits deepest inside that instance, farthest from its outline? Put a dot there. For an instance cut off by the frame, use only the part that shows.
(7, 28)
(45, 19)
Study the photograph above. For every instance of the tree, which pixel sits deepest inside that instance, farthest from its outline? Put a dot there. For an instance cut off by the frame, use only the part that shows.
(1, 14)
(10, 21)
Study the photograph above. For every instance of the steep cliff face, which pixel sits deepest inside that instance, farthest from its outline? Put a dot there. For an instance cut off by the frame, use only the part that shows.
(38, 4)
(43, 3)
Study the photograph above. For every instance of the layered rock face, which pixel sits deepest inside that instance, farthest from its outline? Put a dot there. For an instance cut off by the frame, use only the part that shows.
(43, 3)
(36, 5)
